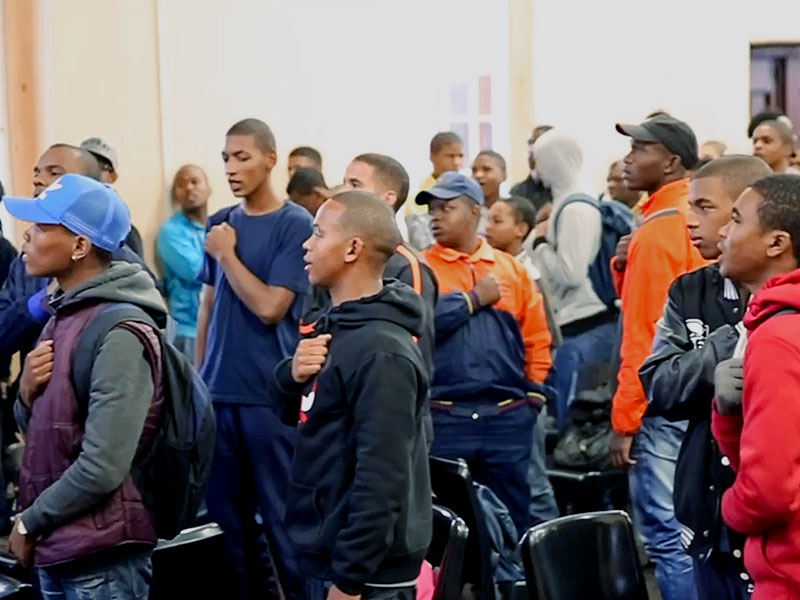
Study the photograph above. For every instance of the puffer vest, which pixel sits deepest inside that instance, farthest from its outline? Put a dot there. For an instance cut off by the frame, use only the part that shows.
(53, 442)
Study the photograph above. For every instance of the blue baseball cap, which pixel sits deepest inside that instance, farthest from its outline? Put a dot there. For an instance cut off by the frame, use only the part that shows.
(451, 185)
(84, 206)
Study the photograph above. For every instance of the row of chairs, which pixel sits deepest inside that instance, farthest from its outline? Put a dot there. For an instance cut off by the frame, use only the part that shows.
(580, 556)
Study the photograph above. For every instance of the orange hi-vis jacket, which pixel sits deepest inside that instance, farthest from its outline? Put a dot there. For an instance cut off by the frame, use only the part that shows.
(457, 274)
(659, 252)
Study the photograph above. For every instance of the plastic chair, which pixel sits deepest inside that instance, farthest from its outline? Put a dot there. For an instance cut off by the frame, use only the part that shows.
(11, 589)
(586, 491)
(452, 484)
(591, 555)
(447, 552)
(190, 565)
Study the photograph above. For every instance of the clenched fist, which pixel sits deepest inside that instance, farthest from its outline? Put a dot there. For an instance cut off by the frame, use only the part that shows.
(310, 357)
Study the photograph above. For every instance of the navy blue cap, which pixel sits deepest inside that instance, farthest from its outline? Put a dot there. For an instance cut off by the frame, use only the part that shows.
(84, 206)
(451, 185)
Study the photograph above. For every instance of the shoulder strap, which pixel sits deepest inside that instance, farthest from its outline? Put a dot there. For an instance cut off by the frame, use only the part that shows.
(572, 199)
(667, 212)
(416, 269)
(89, 344)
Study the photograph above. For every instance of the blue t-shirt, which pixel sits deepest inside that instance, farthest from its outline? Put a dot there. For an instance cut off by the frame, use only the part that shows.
(181, 248)
(241, 350)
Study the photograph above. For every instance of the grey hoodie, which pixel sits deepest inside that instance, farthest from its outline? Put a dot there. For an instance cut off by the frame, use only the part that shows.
(565, 266)
(120, 395)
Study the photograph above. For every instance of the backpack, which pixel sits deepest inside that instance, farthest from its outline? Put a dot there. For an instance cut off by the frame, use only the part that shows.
(617, 221)
(172, 476)
(584, 446)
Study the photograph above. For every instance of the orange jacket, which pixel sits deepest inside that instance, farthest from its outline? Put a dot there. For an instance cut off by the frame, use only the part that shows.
(458, 272)
(660, 251)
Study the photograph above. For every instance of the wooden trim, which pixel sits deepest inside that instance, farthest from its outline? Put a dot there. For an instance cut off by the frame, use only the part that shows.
(520, 82)
(19, 19)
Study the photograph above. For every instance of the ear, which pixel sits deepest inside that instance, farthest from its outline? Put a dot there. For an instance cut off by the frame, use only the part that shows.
(522, 230)
(113, 176)
(780, 242)
(673, 164)
(81, 248)
(355, 247)
(271, 158)
(390, 198)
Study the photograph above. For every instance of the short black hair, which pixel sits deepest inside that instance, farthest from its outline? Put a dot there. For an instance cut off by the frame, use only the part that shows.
(104, 257)
(90, 166)
(392, 174)
(523, 209)
(308, 152)
(780, 205)
(260, 131)
(304, 181)
(369, 217)
(737, 172)
(759, 118)
(495, 156)
(444, 138)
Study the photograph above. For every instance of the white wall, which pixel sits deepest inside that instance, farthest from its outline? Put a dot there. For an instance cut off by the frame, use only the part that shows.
(346, 77)
(599, 63)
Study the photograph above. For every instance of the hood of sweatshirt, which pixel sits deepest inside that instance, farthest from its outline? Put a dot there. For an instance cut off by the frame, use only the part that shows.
(779, 294)
(396, 303)
(121, 282)
(559, 163)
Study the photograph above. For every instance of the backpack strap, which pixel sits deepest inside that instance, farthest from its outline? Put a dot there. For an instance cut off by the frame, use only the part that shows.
(667, 212)
(416, 269)
(571, 199)
(89, 344)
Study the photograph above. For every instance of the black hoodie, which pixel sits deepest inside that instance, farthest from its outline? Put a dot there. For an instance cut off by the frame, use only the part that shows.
(359, 504)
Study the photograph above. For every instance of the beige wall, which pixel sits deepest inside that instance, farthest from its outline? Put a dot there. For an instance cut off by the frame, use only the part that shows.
(98, 73)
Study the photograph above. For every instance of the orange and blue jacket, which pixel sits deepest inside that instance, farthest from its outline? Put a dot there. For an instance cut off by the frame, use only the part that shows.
(496, 352)
(659, 252)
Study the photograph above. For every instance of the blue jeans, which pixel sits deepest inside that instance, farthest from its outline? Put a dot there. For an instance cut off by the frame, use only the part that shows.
(652, 480)
(246, 494)
(126, 579)
(497, 448)
(590, 347)
(543, 498)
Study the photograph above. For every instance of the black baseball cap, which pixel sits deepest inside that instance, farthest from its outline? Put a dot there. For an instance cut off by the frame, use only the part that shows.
(676, 136)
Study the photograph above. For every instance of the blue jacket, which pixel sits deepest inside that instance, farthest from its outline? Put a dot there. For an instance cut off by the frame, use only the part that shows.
(180, 247)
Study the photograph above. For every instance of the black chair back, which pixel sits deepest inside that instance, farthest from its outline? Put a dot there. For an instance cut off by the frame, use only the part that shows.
(190, 565)
(590, 555)
(447, 552)
(452, 485)
(11, 589)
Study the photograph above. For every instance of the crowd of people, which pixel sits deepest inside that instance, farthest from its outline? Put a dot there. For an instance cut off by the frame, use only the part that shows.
(347, 333)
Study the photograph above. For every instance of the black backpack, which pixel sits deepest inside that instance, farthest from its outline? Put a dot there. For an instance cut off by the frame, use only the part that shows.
(172, 476)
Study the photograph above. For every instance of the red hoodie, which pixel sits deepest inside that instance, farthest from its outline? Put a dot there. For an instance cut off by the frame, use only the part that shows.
(763, 445)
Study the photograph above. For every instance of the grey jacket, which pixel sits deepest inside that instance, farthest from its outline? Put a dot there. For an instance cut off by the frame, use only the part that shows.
(120, 396)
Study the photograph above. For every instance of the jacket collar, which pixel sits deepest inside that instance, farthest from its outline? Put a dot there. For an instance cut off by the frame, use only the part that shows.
(484, 252)
(671, 195)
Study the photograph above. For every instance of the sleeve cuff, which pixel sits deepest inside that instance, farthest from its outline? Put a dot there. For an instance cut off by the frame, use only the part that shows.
(34, 524)
(351, 588)
(285, 381)
(37, 310)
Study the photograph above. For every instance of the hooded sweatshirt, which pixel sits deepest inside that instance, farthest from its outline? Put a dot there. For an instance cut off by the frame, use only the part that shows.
(763, 444)
(121, 393)
(359, 503)
(565, 258)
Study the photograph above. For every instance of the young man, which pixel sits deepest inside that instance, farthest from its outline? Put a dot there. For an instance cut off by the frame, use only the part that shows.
(756, 424)
(304, 157)
(385, 177)
(489, 170)
(180, 247)
(248, 322)
(446, 154)
(532, 188)
(23, 302)
(359, 507)
(108, 162)
(695, 333)
(510, 222)
(564, 248)
(662, 149)
(76, 471)
(307, 188)
(484, 402)
(773, 142)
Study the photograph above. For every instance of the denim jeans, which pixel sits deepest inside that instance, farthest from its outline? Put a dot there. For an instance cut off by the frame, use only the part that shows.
(543, 498)
(126, 579)
(590, 347)
(497, 449)
(652, 480)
